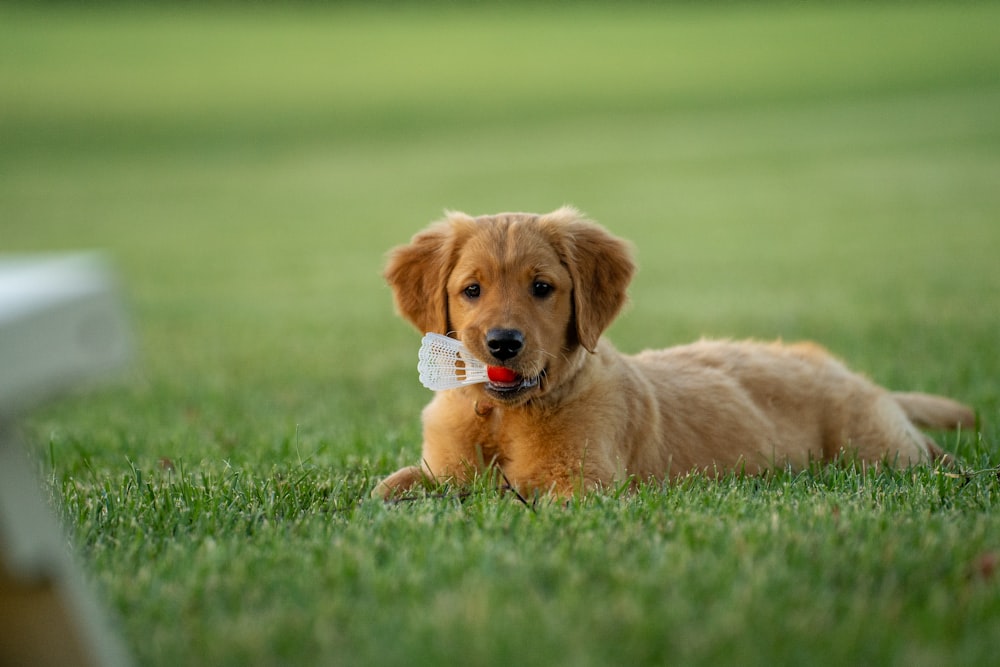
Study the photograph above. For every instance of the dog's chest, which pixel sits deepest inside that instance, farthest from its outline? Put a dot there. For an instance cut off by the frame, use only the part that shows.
(508, 436)
(491, 435)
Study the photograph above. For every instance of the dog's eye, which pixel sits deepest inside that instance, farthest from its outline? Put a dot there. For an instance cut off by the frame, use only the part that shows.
(541, 289)
(473, 291)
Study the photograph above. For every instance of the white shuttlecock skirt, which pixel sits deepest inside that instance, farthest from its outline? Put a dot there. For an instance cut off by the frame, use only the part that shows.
(444, 363)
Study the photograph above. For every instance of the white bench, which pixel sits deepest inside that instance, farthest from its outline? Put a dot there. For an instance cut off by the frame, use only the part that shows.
(61, 326)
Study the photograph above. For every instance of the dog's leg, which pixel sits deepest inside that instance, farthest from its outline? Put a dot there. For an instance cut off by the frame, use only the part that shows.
(399, 482)
(930, 411)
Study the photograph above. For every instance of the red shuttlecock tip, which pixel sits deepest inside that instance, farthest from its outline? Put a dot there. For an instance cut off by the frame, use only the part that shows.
(501, 374)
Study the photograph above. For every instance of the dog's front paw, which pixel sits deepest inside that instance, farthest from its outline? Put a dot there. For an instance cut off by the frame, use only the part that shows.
(398, 482)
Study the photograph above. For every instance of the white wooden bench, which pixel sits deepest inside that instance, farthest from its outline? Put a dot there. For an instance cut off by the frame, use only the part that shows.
(62, 326)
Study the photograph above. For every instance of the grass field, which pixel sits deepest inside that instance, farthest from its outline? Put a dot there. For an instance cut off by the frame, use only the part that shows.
(785, 171)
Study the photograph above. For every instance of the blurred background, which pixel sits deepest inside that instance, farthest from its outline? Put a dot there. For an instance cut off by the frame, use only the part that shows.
(784, 170)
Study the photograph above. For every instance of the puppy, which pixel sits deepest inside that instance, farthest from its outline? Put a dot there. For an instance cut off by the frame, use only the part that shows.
(533, 293)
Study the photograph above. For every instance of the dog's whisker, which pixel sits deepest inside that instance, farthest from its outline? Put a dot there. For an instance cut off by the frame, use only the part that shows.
(547, 353)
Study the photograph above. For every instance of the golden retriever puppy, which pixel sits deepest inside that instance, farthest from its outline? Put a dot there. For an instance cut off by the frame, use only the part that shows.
(533, 294)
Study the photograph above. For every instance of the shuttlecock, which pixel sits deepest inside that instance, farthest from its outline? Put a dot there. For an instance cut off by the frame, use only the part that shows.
(444, 363)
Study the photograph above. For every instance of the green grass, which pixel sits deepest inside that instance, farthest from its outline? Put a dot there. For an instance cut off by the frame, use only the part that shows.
(784, 171)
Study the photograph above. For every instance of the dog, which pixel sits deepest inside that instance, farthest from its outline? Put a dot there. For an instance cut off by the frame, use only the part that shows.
(534, 294)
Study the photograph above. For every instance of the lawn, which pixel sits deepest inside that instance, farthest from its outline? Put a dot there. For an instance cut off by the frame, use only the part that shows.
(784, 170)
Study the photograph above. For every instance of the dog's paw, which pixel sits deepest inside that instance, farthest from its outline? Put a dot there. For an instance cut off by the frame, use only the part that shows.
(398, 482)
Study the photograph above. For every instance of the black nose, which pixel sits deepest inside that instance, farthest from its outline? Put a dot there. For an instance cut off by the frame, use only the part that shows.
(504, 344)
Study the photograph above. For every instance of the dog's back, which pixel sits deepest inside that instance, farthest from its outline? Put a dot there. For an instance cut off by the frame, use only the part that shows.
(784, 404)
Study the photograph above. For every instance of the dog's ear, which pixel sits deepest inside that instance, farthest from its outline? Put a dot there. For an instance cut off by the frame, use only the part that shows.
(418, 274)
(601, 267)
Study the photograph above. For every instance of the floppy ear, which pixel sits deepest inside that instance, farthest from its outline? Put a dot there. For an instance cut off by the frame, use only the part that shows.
(601, 267)
(418, 274)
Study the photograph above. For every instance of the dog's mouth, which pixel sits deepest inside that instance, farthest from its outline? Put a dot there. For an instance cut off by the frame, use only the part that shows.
(510, 386)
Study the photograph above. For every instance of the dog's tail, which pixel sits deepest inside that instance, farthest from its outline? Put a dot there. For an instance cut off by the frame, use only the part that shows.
(928, 411)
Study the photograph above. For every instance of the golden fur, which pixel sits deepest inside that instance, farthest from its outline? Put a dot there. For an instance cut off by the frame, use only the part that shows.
(583, 415)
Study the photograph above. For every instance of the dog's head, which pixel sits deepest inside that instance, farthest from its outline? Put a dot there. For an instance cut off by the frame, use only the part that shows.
(523, 291)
